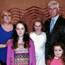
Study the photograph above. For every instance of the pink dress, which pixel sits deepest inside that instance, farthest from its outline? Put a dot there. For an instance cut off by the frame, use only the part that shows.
(55, 62)
(27, 58)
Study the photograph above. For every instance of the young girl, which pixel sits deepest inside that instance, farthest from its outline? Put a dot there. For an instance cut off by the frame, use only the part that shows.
(23, 52)
(58, 57)
(39, 39)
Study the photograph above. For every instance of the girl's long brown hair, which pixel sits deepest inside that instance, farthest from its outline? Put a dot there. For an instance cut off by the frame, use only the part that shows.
(25, 37)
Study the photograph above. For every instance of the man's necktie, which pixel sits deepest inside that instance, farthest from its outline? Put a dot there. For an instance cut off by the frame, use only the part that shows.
(52, 25)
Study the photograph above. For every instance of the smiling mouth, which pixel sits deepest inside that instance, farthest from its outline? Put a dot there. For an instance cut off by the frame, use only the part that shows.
(20, 33)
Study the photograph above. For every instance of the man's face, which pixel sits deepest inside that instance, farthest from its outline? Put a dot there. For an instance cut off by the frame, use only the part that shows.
(53, 11)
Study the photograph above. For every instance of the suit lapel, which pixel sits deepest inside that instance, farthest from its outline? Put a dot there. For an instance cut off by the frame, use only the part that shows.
(48, 26)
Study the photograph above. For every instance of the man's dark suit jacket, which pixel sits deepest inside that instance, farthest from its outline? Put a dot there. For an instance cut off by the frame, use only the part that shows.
(57, 33)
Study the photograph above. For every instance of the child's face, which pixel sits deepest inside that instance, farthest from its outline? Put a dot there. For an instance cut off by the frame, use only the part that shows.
(20, 29)
(58, 51)
(37, 26)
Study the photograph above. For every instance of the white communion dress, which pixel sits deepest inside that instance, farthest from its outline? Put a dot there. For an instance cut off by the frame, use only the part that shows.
(39, 43)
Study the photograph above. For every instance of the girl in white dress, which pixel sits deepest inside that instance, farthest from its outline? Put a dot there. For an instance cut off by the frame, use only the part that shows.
(39, 39)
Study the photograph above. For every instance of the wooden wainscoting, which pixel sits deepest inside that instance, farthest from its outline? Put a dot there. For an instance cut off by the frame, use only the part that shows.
(30, 15)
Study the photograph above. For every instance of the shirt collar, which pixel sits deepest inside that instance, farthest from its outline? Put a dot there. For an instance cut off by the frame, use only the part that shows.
(55, 18)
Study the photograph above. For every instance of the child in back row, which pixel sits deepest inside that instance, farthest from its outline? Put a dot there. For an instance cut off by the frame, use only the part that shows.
(57, 57)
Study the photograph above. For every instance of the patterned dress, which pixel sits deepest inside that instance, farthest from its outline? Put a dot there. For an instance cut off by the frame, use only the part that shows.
(21, 56)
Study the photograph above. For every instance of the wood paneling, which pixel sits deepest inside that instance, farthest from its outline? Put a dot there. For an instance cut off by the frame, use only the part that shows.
(31, 14)
(29, 10)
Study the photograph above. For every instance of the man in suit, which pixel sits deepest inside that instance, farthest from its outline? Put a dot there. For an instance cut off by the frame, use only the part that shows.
(53, 26)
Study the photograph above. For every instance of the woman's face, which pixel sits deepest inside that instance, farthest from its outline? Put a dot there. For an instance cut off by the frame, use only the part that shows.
(7, 17)
(58, 51)
(37, 26)
(20, 29)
